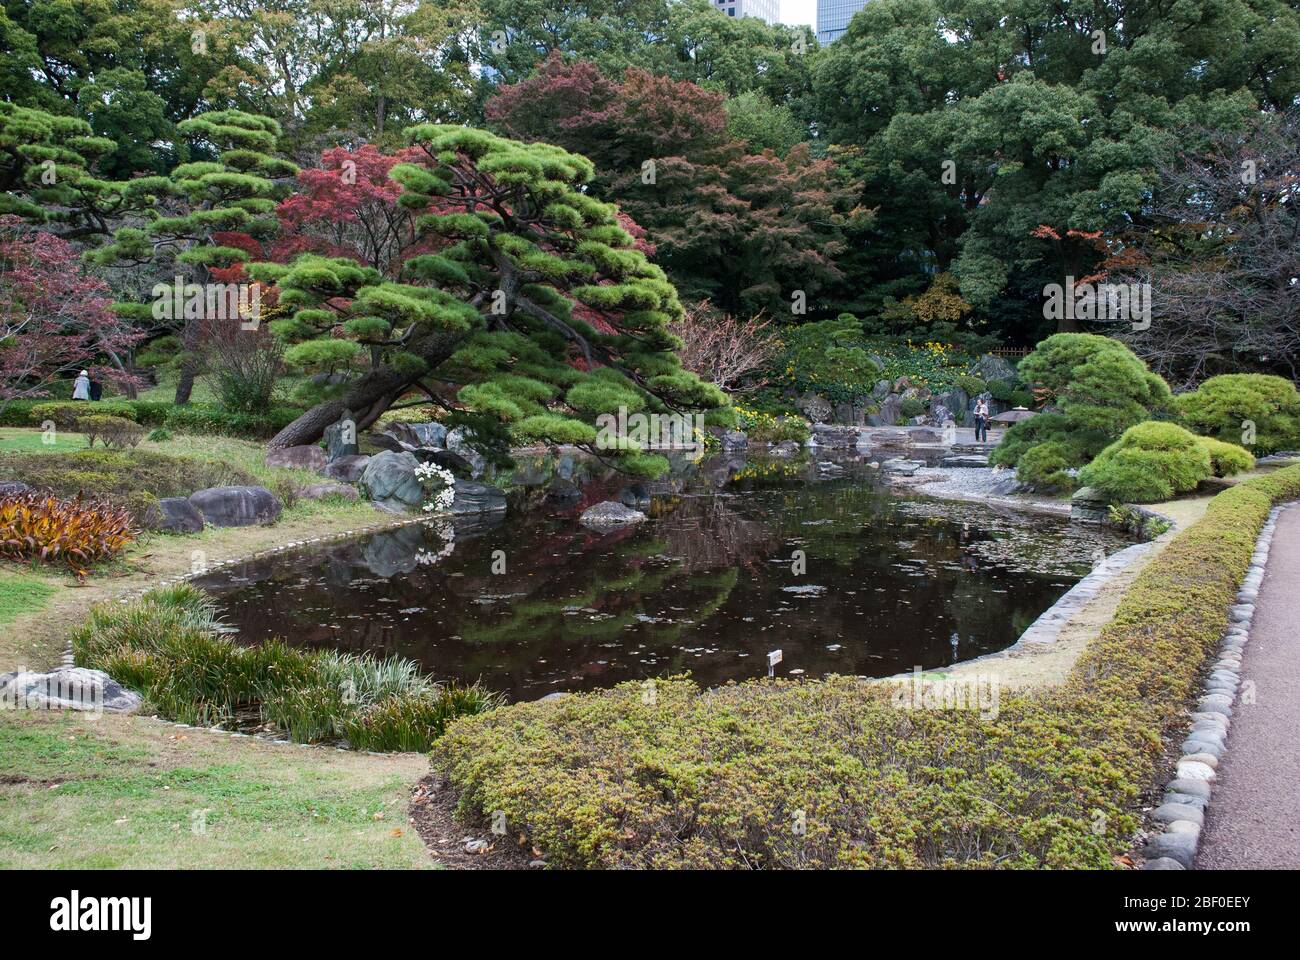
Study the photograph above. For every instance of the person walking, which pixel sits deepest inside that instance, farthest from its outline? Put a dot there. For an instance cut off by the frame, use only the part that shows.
(96, 390)
(981, 420)
(81, 387)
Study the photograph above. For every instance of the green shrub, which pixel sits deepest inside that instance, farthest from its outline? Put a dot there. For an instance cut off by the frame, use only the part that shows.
(762, 427)
(1099, 388)
(718, 778)
(1151, 462)
(200, 418)
(113, 432)
(168, 645)
(1227, 459)
(159, 435)
(911, 407)
(135, 479)
(972, 385)
(67, 414)
(1225, 406)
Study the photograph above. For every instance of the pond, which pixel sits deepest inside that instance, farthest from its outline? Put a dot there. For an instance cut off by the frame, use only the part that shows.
(741, 559)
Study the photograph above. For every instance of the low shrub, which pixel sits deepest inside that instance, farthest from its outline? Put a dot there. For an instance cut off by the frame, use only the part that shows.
(763, 427)
(199, 418)
(1152, 461)
(1227, 459)
(135, 479)
(168, 645)
(67, 415)
(719, 778)
(37, 526)
(113, 432)
(911, 407)
(1253, 408)
(159, 435)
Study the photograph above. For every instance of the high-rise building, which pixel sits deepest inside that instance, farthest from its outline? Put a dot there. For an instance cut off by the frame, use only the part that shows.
(833, 18)
(766, 10)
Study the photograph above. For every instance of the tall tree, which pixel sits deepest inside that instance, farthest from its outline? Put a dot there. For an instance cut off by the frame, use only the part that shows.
(487, 321)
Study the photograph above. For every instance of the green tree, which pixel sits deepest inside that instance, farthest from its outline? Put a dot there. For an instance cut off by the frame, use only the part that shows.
(535, 310)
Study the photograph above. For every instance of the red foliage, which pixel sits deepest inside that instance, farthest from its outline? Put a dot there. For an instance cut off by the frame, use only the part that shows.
(54, 316)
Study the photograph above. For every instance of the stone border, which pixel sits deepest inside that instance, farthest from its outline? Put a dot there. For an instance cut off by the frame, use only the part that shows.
(1187, 795)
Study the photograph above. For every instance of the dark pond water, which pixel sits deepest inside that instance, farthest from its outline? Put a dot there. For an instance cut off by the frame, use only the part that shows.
(710, 586)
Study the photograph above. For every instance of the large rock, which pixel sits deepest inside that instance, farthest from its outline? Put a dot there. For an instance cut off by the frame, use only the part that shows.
(341, 438)
(319, 491)
(881, 390)
(383, 441)
(68, 688)
(989, 368)
(889, 412)
(347, 469)
(237, 506)
(474, 497)
(389, 480)
(305, 457)
(561, 490)
(431, 435)
(851, 414)
(445, 459)
(1089, 505)
(607, 514)
(786, 448)
(816, 408)
(10, 487)
(734, 440)
(635, 495)
(460, 442)
(175, 515)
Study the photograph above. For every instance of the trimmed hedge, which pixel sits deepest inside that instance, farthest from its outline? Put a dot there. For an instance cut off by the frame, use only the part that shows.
(833, 773)
(190, 418)
(168, 645)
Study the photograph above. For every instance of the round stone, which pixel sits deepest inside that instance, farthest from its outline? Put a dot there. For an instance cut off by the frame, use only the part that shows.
(1163, 863)
(1195, 770)
(1171, 812)
(1176, 846)
(1205, 758)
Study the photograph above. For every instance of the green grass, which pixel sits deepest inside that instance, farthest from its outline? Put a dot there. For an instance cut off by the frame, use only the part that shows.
(22, 593)
(19, 440)
(114, 792)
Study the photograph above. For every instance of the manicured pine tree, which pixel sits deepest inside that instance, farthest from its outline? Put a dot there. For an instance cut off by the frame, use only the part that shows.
(536, 306)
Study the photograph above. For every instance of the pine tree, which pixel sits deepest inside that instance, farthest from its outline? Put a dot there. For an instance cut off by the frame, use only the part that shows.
(535, 305)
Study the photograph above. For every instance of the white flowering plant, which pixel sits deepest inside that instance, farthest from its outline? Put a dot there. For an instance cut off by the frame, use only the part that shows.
(440, 485)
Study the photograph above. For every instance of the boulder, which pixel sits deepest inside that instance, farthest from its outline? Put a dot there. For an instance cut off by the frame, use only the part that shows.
(460, 442)
(561, 490)
(891, 408)
(341, 438)
(940, 414)
(902, 466)
(347, 469)
(391, 552)
(67, 688)
(881, 390)
(431, 435)
(237, 506)
(10, 487)
(851, 414)
(635, 495)
(608, 514)
(1089, 505)
(445, 459)
(389, 480)
(989, 368)
(734, 440)
(786, 448)
(474, 497)
(175, 515)
(901, 384)
(383, 441)
(319, 491)
(304, 457)
(816, 408)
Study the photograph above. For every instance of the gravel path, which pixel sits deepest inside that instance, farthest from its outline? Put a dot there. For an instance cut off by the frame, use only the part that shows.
(1254, 818)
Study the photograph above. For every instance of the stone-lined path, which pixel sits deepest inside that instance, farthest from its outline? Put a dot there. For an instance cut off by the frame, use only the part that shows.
(1254, 816)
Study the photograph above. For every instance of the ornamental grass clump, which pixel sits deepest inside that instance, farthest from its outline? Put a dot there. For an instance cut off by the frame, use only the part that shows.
(75, 532)
(169, 645)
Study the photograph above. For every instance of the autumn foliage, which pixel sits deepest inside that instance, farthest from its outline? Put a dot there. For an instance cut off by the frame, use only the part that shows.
(77, 532)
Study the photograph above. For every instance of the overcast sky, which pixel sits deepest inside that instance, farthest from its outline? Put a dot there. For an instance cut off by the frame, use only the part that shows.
(795, 12)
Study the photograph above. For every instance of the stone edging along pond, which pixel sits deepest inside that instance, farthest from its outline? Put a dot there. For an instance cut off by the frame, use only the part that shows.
(1187, 796)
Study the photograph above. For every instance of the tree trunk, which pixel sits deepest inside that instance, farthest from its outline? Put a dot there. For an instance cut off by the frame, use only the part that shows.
(369, 398)
(185, 385)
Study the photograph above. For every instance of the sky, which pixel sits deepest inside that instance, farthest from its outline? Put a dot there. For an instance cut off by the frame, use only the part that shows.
(795, 12)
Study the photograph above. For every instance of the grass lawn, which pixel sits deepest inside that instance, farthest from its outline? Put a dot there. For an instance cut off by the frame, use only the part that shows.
(22, 440)
(22, 593)
(133, 792)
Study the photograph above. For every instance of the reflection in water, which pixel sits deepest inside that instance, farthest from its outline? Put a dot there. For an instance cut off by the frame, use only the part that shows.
(840, 575)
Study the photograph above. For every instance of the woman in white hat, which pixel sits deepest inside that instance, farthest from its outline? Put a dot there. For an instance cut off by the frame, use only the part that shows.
(81, 388)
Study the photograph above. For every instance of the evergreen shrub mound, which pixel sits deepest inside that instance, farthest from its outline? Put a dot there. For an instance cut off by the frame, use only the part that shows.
(1223, 406)
(1151, 462)
(168, 646)
(135, 479)
(1227, 459)
(720, 778)
(1096, 388)
(113, 432)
